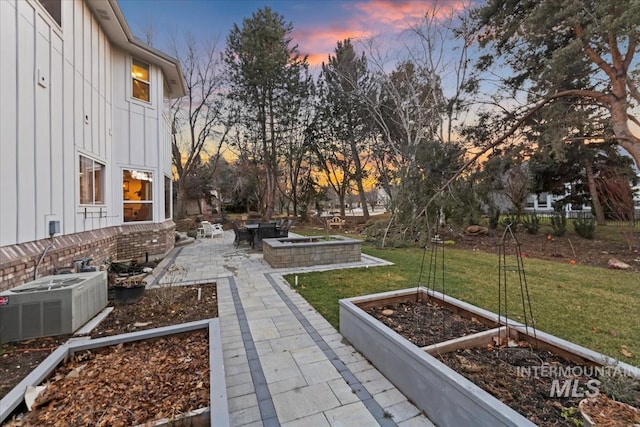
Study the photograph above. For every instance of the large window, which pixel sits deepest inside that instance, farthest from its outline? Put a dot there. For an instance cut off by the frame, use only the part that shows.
(54, 7)
(91, 175)
(140, 80)
(137, 194)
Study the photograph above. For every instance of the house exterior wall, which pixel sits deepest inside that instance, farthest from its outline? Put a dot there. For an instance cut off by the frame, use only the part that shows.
(141, 139)
(65, 93)
(55, 104)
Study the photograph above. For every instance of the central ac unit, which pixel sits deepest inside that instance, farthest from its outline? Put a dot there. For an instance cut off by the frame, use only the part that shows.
(51, 305)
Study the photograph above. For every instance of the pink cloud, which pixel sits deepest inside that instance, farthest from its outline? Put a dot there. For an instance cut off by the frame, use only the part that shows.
(368, 18)
(398, 15)
(319, 43)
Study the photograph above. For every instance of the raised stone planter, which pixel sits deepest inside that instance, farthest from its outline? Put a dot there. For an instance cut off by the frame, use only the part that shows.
(447, 398)
(217, 410)
(308, 251)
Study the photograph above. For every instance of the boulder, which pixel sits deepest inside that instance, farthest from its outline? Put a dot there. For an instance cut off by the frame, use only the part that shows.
(474, 230)
(616, 264)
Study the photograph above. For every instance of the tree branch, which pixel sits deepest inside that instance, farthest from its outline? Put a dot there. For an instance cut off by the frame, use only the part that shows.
(508, 134)
(633, 90)
(601, 63)
(631, 49)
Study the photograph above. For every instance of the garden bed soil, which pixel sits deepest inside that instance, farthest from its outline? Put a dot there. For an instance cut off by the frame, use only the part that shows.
(425, 323)
(494, 368)
(127, 384)
(19, 358)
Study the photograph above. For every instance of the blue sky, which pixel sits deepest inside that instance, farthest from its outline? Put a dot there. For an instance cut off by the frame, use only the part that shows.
(318, 24)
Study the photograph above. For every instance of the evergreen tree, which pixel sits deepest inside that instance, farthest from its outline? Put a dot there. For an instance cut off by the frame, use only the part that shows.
(268, 79)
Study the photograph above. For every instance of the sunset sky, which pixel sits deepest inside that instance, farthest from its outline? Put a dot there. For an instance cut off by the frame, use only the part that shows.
(318, 25)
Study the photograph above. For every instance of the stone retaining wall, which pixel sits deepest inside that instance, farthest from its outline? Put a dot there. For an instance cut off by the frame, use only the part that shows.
(307, 251)
(18, 262)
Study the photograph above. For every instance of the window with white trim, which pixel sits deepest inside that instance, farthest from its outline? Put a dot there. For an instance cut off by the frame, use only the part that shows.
(91, 181)
(137, 195)
(140, 83)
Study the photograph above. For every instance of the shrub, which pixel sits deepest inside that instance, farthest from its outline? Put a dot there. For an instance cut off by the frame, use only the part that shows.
(623, 388)
(585, 227)
(510, 220)
(167, 291)
(531, 223)
(494, 217)
(559, 223)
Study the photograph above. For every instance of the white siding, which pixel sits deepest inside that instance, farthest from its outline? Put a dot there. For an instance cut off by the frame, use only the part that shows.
(43, 121)
(141, 133)
(25, 107)
(51, 77)
(66, 91)
(8, 124)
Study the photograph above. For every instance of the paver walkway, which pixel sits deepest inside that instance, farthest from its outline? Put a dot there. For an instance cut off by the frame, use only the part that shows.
(285, 365)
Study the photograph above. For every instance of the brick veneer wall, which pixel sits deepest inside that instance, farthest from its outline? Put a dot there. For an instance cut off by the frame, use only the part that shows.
(18, 262)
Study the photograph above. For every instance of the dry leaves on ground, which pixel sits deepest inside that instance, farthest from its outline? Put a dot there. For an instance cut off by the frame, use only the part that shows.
(18, 359)
(127, 384)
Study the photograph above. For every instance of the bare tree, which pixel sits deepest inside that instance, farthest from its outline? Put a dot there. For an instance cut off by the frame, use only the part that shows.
(199, 119)
(415, 113)
(516, 186)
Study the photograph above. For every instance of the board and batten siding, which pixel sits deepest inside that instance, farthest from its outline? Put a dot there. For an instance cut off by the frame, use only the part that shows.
(142, 138)
(55, 102)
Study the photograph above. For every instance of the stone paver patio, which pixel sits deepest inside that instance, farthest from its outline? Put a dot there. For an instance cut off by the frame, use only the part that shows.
(285, 365)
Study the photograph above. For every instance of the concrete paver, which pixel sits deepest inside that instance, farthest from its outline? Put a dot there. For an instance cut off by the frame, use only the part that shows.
(304, 401)
(285, 365)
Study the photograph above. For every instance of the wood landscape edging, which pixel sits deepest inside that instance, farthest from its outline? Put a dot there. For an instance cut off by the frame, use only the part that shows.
(218, 410)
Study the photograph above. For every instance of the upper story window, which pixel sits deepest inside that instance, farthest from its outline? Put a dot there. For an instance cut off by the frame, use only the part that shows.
(140, 80)
(54, 7)
(91, 181)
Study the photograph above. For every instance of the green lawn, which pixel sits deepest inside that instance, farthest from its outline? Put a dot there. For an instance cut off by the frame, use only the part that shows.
(593, 307)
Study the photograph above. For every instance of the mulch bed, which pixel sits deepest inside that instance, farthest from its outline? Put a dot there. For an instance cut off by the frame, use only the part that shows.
(127, 384)
(158, 307)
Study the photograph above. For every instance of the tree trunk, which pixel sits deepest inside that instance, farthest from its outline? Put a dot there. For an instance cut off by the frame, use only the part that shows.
(620, 119)
(359, 177)
(341, 198)
(593, 191)
(359, 172)
(181, 203)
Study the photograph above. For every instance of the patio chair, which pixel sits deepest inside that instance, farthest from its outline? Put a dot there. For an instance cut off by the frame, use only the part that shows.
(206, 229)
(202, 228)
(283, 230)
(242, 235)
(265, 230)
(217, 230)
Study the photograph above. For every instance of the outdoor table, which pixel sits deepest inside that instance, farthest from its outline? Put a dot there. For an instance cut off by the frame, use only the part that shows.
(256, 235)
(253, 229)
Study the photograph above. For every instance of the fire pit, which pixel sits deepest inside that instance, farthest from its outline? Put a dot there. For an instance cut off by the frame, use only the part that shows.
(308, 251)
